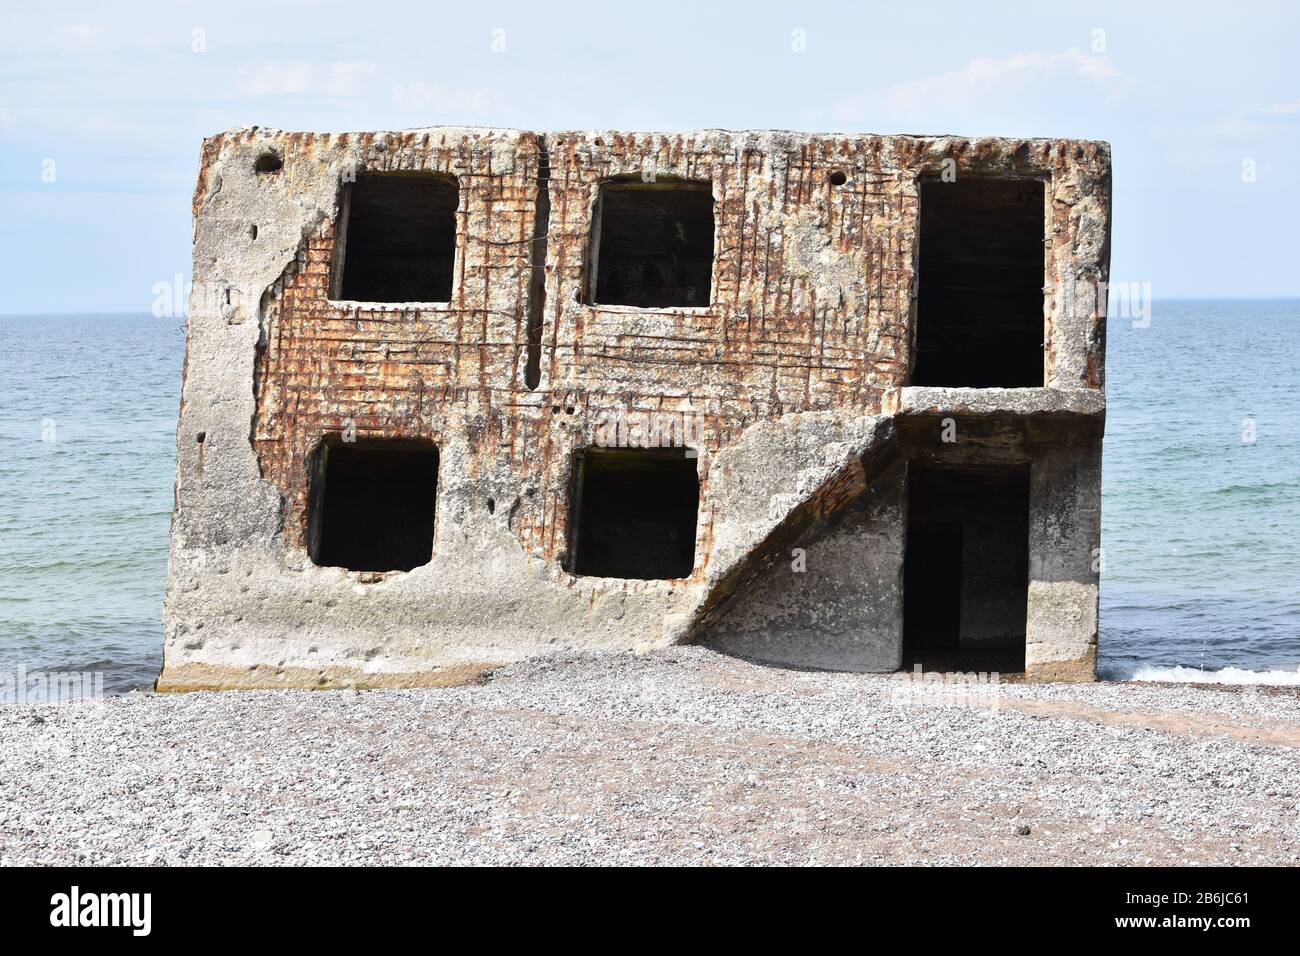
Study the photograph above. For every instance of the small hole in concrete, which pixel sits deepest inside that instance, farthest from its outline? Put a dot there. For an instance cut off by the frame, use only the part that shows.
(201, 437)
(492, 506)
(252, 232)
(837, 178)
(268, 162)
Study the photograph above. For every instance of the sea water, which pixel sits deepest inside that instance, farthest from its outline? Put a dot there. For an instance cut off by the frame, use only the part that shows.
(1201, 493)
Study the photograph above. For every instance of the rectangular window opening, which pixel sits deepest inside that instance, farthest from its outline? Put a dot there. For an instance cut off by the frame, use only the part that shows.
(371, 504)
(980, 279)
(966, 569)
(633, 513)
(397, 239)
(652, 244)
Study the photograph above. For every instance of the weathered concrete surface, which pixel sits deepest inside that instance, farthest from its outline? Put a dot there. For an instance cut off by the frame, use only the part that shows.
(1064, 562)
(1048, 402)
(836, 603)
(795, 372)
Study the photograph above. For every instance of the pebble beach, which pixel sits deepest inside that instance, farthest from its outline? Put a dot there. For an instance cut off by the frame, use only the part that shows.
(678, 757)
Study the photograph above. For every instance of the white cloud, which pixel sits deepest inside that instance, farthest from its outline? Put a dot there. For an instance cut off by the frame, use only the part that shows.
(101, 125)
(363, 82)
(979, 81)
(302, 78)
(442, 101)
(1235, 126)
(275, 79)
(1239, 125)
(81, 37)
(350, 78)
(1279, 109)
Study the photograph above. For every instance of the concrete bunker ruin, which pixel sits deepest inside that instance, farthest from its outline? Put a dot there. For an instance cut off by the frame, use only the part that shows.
(812, 400)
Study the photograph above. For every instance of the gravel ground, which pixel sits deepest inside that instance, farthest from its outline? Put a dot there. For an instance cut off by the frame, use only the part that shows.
(683, 756)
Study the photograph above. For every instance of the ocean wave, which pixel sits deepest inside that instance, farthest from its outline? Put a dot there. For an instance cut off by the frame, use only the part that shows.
(1287, 486)
(1227, 675)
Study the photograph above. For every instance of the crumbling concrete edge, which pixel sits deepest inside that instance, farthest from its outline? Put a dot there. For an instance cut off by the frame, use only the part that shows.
(191, 676)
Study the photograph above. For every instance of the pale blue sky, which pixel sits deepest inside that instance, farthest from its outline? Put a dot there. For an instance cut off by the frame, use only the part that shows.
(120, 101)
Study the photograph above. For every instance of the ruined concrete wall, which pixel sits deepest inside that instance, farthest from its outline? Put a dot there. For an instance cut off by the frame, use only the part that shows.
(1064, 562)
(766, 346)
(808, 329)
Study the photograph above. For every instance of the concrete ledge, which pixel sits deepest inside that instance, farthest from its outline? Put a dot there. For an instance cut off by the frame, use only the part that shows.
(924, 400)
(184, 678)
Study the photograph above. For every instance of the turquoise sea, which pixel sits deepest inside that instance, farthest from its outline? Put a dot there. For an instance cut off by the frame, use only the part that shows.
(1201, 492)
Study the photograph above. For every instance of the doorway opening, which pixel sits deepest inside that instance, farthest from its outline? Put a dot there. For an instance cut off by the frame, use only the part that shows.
(966, 569)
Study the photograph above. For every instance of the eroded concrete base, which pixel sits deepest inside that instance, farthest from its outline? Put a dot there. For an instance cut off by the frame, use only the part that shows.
(1083, 670)
(185, 678)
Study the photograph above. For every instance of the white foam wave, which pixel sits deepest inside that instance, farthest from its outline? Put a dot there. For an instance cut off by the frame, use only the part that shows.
(1228, 675)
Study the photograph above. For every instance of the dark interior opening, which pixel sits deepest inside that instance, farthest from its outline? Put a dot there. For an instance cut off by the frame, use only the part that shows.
(979, 319)
(635, 513)
(966, 570)
(268, 162)
(537, 267)
(399, 242)
(653, 244)
(372, 505)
